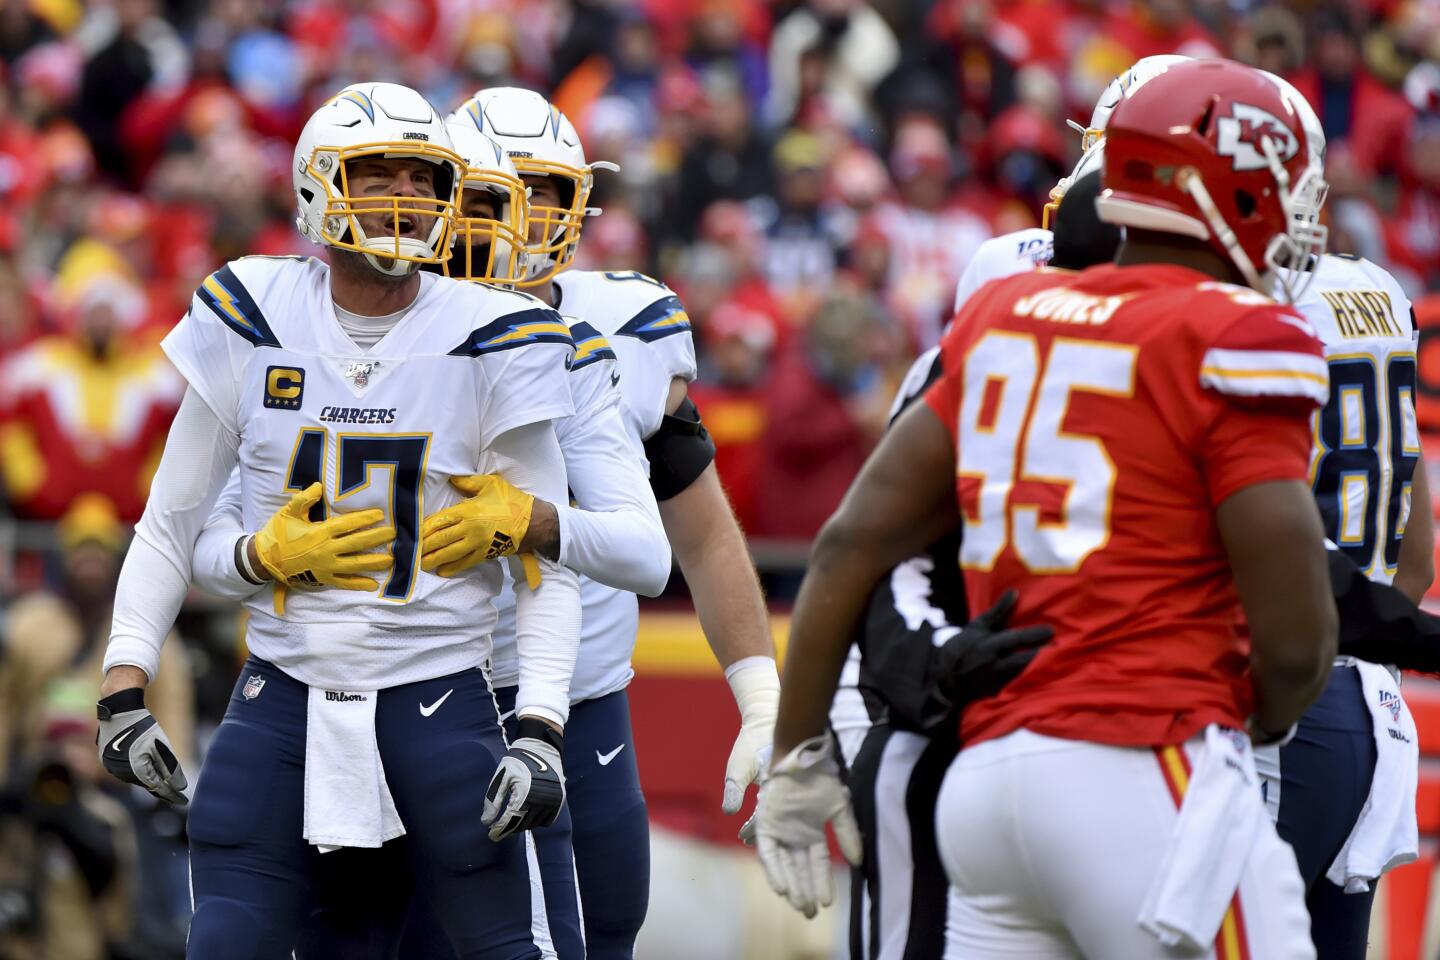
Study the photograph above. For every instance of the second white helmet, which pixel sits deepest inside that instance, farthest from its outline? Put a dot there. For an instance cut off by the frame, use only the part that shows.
(488, 248)
(541, 141)
(1141, 71)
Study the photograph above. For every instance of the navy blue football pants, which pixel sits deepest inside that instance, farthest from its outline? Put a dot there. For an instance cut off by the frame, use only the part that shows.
(1325, 774)
(253, 875)
(600, 846)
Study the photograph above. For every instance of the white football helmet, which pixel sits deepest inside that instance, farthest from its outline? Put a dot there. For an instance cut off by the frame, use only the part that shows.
(1090, 161)
(541, 142)
(501, 238)
(368, 120)
(1309, 195)
(1146, 68)
(1091, 137)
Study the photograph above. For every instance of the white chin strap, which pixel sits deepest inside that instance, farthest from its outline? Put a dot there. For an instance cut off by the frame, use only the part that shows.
(380, 253)
(390, 266)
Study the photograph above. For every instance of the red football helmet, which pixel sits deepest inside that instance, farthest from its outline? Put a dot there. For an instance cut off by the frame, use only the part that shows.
(1213, 149)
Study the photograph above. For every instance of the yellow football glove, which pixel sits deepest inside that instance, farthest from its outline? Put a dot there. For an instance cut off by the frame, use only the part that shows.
(489, 523)
(332, 553)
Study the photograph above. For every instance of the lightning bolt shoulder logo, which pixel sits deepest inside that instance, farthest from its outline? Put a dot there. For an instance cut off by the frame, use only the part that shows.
(228, 299)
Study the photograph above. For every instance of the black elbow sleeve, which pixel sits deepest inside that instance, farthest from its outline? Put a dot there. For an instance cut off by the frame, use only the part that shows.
(679, 451)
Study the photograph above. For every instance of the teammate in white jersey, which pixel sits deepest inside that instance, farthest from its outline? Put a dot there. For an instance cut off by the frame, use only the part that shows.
(356, 392)
(1342, 791)
(646, 327)
(616, 538)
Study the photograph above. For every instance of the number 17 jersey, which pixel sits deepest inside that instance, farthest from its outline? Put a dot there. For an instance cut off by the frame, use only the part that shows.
(1100, 418)
(385, 428)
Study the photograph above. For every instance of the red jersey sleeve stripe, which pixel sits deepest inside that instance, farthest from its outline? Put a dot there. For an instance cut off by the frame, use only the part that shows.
(1262, 373)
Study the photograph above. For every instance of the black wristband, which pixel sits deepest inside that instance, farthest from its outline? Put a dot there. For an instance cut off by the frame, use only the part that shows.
(121, 701)
(537, 729)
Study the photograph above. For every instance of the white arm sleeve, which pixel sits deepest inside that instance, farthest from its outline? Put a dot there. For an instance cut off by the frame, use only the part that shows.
(615, 537)
(547, 620)
(199, 454)
(213, 567)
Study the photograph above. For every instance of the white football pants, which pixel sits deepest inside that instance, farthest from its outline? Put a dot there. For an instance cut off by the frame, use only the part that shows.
(1051, 846)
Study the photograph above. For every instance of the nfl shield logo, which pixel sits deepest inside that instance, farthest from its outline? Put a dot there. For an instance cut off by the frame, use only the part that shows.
(359, 373)
(1390, 702)
(252, 688)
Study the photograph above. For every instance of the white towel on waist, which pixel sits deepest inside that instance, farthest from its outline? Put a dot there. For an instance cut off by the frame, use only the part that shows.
(347, 802)
(1209, 847)
(1386, 834)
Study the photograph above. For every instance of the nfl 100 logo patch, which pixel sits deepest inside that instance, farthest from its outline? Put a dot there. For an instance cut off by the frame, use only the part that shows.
(1390, 702)
(252, 687)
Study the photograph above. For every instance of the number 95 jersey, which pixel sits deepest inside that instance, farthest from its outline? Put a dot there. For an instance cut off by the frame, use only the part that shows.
(1366, 444)
(385, 428)
(1099, 419)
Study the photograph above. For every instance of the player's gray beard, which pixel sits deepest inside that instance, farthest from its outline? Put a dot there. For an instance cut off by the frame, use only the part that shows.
(355, 266)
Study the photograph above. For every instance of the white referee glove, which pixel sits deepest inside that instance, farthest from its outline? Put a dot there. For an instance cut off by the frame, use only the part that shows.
(803, 793)
(755, 682)
(133, 748)
(528, 788)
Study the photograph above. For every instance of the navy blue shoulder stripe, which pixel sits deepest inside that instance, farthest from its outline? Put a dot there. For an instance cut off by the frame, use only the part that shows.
(540, 325)
(662, 318)
(227, 297)
(590, 346)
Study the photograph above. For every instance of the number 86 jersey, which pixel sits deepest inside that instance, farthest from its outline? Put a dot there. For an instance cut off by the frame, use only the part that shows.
(1366, 443)
(1099, 419)
(385, 427)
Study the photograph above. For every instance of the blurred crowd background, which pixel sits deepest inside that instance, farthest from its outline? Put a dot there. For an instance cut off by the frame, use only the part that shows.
(811, 176)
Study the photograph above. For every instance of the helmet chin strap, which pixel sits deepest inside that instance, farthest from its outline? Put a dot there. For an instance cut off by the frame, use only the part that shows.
(397, 268)
(1190, 181)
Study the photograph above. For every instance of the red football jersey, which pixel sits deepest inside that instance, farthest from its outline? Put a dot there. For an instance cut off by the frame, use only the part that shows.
(1100, 417)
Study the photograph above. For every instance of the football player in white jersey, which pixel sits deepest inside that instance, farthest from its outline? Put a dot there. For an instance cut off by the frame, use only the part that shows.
(350, 395)
(616, 539)
(646, 327)
(1342, 791)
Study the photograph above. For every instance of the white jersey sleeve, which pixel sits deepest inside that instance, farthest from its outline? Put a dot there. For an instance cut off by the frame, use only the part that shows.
(213, 567)
(1004, 256)
(649, 331)
(211, 345)
(199, 454)
(522, 355)
(547, 620)
(614, 535)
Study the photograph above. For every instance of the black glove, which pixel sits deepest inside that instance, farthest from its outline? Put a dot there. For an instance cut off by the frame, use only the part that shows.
(133, 748)
(1379, 623)
(528, 788)
(979, 660)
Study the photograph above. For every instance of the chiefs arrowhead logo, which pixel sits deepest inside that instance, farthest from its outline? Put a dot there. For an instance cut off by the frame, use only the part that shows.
(1240, 137)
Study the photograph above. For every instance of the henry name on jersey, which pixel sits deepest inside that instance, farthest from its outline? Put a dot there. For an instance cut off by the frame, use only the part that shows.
(463, 366)
(1366, 440)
